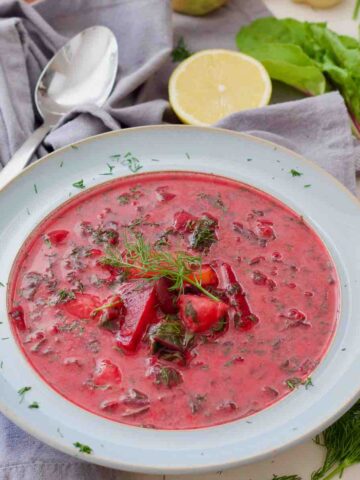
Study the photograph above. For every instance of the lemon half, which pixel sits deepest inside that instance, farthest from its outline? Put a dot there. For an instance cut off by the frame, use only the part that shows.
(212, 84)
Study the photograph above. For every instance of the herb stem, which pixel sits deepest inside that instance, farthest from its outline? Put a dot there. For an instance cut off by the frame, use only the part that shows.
(338, 471)
(201, 288)
(356, 10)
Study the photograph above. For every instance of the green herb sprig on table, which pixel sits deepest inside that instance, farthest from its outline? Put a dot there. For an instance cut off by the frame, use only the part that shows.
(180, 52)
(356, 10)
(153, 264)
(342, 443)
(286, 477)
(308, 56)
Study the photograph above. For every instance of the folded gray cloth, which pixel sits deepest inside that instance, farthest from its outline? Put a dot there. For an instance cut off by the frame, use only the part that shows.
(316, 127)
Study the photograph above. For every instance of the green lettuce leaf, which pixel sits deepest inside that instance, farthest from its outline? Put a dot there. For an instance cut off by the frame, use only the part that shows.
(307, 56)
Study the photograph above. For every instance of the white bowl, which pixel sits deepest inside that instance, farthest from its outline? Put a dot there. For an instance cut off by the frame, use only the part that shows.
(328, 206)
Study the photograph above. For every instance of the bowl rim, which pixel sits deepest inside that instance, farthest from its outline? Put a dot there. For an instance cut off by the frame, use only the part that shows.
(103, 460)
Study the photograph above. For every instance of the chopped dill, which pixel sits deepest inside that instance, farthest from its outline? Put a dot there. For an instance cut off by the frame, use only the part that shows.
(204, 234)
(22, 392)
(110, 172)
(64, 296)
(295, 173)
(131, 162)
(34, 405)
(79, 184)
(83, 448)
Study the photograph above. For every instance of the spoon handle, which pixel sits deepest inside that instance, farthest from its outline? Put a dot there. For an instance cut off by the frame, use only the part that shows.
(22, 156)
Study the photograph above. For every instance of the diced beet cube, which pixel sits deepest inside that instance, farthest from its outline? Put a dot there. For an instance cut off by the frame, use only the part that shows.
(139, 299)
(163, 194)
(184, 222)
(166, 298)
(17, 314)
(106, 372)
(201, 313)
(57, 236)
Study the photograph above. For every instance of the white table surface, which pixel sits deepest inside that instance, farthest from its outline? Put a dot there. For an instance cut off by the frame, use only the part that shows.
(303, 459)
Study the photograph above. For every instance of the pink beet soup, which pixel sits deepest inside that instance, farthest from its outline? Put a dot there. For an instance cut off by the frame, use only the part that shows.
(174, 300)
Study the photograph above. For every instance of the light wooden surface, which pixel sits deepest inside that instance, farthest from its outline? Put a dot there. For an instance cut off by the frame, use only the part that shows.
(304, 458)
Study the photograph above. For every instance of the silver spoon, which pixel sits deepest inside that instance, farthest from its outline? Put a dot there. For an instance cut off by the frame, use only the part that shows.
(83, 71)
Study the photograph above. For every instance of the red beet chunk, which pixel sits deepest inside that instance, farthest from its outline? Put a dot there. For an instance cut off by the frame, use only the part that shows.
(163, 194)
(83, 305)
(106, 373)
(240, 314)
(200, 313)
(184, 222)
(57, 236)
(166, 298)
(17, 314)
(139, 300)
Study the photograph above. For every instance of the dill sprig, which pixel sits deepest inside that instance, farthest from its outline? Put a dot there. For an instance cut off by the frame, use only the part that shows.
(286, 477)
(152, 264)
(342, 443)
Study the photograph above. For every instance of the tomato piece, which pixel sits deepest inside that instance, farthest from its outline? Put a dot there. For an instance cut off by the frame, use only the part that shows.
(139, 300)
(200, 313)
(57, 236)
(17, 314)
(106, 372)
(83, 305)
(206, 276)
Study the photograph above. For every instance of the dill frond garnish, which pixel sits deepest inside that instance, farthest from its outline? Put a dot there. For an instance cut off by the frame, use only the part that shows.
(342, 443)
(151, 264)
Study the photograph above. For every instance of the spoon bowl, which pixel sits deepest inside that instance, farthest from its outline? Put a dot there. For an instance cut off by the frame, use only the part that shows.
(82, 72)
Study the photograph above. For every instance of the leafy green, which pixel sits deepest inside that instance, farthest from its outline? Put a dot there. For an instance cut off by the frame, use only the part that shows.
(169, 333)
(167, 376)
(307, 56)
(204, 234)
(83, 448)
(180, 52)
(342, 443)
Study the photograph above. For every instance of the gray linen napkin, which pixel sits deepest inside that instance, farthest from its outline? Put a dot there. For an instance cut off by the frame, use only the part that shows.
(316, 127)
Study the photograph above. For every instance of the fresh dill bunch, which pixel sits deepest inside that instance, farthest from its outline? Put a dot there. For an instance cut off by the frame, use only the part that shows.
(342, 443)
(151, 264)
